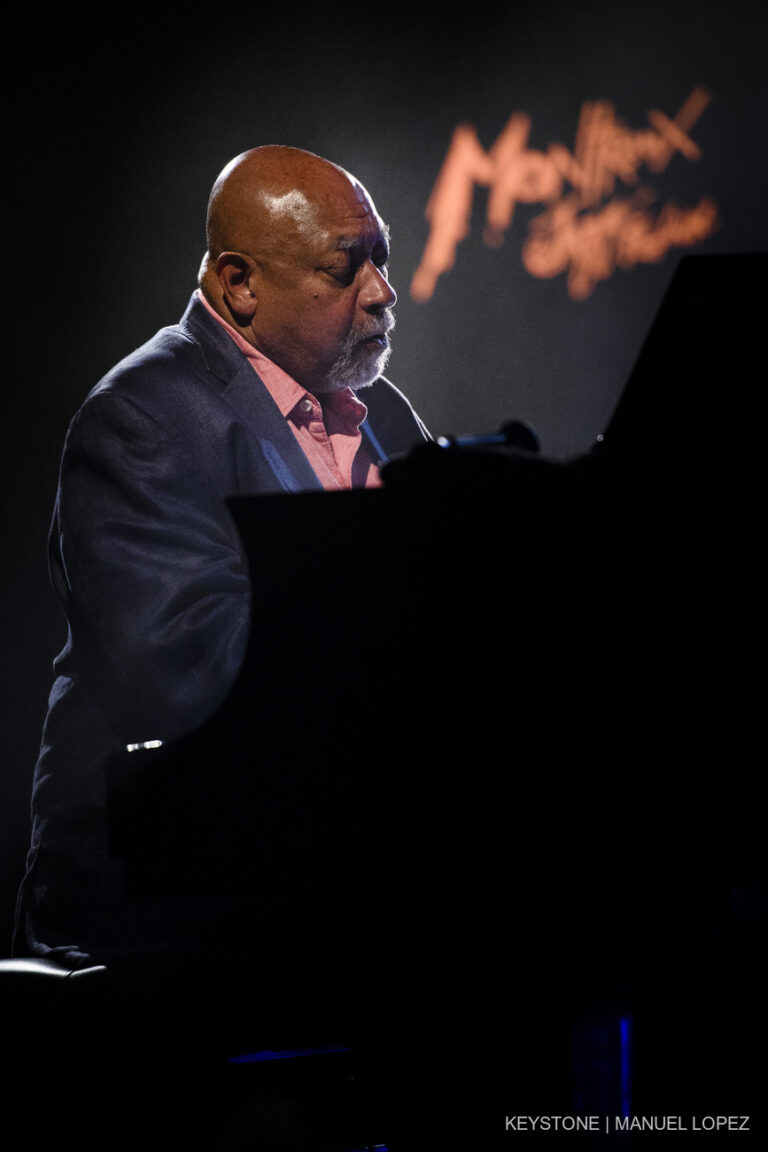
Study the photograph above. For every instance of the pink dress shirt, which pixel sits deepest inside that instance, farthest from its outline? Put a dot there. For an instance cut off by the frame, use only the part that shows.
(328, 434)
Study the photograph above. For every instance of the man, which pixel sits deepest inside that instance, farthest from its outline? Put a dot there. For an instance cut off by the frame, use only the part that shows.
(254, 391)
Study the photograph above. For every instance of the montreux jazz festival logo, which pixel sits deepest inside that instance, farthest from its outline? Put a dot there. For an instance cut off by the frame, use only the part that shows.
(598, 216)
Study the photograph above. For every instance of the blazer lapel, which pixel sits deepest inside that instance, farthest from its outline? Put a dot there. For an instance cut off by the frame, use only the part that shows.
(249, 397)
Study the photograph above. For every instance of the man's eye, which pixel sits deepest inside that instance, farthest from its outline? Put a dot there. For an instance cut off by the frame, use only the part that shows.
(343, 273)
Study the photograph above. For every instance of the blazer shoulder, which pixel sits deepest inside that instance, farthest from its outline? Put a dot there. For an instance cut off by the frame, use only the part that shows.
(182, 363)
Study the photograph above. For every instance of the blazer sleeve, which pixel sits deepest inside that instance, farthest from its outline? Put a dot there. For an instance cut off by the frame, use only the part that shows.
(149, 567)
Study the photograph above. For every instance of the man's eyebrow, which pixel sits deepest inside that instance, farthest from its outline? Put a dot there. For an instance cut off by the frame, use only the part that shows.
(343, 243)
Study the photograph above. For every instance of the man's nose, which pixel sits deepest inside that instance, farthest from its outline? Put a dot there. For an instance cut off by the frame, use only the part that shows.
(377, 292)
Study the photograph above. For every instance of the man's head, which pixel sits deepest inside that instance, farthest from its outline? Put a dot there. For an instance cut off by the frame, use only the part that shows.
(296, 262)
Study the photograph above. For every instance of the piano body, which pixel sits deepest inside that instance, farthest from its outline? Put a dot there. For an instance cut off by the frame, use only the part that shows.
(534, 706)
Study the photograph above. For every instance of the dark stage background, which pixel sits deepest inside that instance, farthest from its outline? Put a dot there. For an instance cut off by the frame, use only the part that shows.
(119, 120)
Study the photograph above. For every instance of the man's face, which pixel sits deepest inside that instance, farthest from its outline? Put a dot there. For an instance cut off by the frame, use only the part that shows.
(323, 299)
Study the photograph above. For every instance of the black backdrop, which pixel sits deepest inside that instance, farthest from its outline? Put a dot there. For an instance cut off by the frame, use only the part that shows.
(118, 120)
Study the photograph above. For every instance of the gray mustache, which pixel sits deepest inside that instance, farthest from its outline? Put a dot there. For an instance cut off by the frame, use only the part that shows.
(376, 327)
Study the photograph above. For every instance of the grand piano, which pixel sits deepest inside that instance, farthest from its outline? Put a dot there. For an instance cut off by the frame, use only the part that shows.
(535, 713)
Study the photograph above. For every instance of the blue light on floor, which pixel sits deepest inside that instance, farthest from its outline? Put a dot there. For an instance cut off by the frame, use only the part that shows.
(625, 1046)
(287, 1054)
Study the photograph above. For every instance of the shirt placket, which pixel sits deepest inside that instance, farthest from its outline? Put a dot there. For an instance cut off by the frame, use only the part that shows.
(310, 415)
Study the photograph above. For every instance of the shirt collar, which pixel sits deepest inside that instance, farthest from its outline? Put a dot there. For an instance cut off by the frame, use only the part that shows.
(284, 390)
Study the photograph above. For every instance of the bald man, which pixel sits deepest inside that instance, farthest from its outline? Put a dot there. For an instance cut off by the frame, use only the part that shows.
(270, 383)
(297, 264)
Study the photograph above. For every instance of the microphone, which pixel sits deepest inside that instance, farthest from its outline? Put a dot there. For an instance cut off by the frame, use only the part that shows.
(513, 434)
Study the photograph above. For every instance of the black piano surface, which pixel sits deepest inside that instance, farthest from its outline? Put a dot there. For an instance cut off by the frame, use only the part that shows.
(489, 605)
(556, 657)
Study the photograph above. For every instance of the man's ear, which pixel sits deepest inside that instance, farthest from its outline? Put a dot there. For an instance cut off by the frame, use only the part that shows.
(234, 271)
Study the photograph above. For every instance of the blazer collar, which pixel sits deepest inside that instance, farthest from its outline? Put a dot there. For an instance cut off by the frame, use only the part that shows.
(247, 394)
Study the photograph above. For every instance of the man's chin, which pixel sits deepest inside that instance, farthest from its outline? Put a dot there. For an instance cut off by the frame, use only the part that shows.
(360, 375)
(359, 365)
(377, 370)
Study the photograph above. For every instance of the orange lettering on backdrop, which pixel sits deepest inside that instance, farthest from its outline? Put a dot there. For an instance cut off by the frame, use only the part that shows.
(583, 233)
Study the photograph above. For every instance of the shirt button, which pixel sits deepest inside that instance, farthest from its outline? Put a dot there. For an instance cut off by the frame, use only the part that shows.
(305, 405)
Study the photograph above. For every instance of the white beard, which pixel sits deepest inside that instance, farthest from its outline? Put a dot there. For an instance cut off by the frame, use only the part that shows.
(357, 367)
